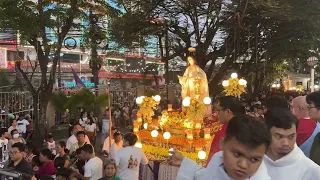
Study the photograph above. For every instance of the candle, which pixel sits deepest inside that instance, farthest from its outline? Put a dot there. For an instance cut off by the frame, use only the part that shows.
(207, 133)
(135, 127)
(189, 134)
(159, 119)
(139, 119)
(198, 125)
(169, 107)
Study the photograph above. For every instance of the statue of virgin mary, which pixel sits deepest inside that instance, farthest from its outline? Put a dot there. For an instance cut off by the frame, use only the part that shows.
(194, 82)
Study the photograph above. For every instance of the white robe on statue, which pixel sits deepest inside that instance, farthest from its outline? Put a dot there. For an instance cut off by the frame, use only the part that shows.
(190, 170)
(293, 166)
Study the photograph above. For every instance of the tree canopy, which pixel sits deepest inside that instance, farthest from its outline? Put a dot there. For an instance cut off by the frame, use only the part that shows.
(244, 35)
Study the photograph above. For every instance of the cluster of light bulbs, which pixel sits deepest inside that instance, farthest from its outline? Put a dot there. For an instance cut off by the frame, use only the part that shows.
(242, 82)
(187, 100)
(139, 100)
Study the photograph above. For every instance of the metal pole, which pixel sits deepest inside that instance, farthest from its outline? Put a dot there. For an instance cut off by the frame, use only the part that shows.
(110, 116)
(312, 79)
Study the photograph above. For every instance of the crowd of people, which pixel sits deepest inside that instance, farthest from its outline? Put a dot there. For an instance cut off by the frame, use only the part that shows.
(281, 142)
(262, 139)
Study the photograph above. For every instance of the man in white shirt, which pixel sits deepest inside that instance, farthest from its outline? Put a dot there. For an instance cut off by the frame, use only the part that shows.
(129, 158)
(22, 126)
(4, 153)
(284, 159)
(93, 169)
(117, 145)
(241, 158)
(106, 143)
(73, 139)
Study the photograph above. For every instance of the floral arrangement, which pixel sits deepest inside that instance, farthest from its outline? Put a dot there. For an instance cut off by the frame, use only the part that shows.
(196, 110)
(175, 140)
(162, 153)
(173, 118)
(234, 88)
(147, 107)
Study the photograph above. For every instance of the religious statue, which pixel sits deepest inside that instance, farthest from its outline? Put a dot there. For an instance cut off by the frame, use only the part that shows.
(287, 84)
(194, 82)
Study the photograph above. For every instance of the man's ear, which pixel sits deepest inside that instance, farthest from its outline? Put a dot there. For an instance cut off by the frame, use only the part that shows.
(222, 142)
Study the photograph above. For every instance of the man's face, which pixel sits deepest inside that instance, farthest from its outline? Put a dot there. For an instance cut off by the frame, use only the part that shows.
(7, 135)
(314, 113)
(83, 155)
(283, 140)
(260, 111)
(15, 154)
(241, 162)
(81, 138)
(118, 138)
(76, 129)
(125, 143)
(14, 123)
(224, 115)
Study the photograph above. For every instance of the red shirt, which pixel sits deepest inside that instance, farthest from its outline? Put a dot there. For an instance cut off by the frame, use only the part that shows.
(46, 169)
(215, 145)
(305, 130)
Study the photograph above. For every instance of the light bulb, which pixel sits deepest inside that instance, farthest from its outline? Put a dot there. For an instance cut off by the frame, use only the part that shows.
(139, 100)
(166, 135)
(157, 98)
(145, 125)
(186, 102)
(234, 75)
(207, 100)
(154, 133)
(242, 82)
(202, 155)
(138, 145)
(225, 83)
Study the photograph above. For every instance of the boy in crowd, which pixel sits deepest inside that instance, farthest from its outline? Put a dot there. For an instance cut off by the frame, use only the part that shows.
(241, 158)
(129, 158)
(227, 108)
(313, 100)
(284, 159)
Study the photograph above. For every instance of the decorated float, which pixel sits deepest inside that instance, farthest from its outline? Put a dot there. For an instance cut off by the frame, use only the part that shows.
(189, 129)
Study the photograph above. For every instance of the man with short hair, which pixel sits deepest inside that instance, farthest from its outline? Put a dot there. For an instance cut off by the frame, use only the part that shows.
(93, 169)
(129, 158)
(313, 100)
(117, 145)
(284, 159)
(17, 161)
(73, 139)
(81, 140)
(4, 154)
(227, 108)
(241, 158)
(106, 144)
(307, 129)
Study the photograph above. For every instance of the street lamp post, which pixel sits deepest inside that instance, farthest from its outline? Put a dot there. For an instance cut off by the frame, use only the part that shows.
(312, 63)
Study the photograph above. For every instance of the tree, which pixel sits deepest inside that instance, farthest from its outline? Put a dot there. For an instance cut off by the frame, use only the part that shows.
(31, 19)
(241, 33)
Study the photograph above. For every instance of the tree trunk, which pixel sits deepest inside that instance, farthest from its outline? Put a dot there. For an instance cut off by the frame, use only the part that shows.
(40, 104)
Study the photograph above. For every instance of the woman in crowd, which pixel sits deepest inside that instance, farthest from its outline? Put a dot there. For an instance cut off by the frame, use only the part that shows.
(47, 168)
(110, 170)
(15, 138)
(83, 118)
(31, 152)
(62, 159)
(91, 129)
